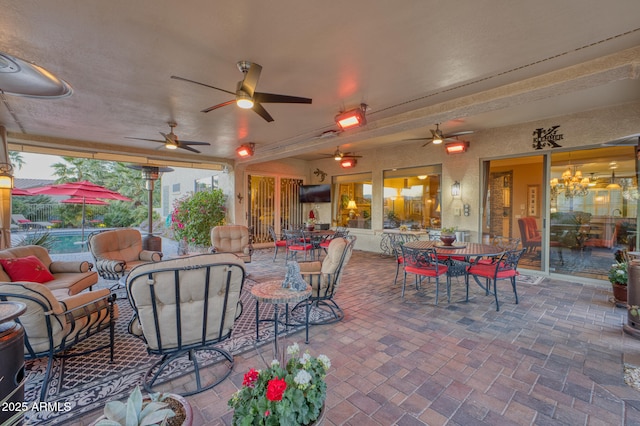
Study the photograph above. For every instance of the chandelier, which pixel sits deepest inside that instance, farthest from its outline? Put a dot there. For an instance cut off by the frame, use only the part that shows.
(572, 184)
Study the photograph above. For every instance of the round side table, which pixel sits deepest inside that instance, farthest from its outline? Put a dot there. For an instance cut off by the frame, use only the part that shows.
(272, 292)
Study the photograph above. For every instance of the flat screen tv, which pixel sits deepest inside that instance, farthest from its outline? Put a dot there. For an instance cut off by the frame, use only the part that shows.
(315, 193)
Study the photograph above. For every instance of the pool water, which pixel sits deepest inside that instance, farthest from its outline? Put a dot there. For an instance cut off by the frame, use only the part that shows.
(66, 243)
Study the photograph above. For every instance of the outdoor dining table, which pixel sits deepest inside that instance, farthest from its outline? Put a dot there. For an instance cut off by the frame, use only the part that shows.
(457, 250)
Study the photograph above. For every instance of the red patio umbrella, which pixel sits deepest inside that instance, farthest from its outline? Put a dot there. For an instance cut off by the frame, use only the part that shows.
(85, 200)
(20, 192)
(83, 190)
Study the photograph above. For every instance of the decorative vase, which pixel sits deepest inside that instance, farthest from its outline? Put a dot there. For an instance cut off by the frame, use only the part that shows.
(447, 239)
(619, 293)
(310, 227)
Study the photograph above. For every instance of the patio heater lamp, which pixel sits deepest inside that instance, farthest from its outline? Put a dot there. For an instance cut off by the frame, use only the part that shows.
(150, 174)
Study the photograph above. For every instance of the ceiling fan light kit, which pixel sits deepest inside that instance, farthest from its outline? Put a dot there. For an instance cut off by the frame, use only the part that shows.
(352, 118)
(246, 150)
(456, 147)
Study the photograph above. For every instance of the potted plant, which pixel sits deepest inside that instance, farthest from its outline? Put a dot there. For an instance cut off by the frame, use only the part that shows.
(618, 277)
(311, 224)
(293, 394)
(156, 409)
(448, 235)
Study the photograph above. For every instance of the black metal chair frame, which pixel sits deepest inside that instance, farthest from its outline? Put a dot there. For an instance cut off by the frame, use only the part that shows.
(324, 297)
(294, 238)
(425, 258)
(507, 261)
(204, 345)
(274, 236)
(71, 314)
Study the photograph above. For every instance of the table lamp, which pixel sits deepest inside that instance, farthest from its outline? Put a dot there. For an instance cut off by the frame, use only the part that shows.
(352, 208)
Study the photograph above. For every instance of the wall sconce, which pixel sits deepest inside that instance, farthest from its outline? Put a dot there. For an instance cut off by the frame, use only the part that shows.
(455, 189)
(240, 198)
(353, 118)
(246, 150)
(6, 176)
(456, 147)
(347, 163)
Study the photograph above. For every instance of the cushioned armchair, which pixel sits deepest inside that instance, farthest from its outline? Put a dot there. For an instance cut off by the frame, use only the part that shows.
(117, 251)
(529, 234)
(183, 308)
(236, 239)
(324, 277)
(54, 325)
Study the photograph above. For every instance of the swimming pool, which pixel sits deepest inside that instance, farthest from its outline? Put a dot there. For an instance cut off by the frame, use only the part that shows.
(63, 241)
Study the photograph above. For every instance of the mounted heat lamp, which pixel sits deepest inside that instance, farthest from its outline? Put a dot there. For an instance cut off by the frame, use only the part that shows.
(456, 147)
(347, 163)
(353, 118)
(246, 150)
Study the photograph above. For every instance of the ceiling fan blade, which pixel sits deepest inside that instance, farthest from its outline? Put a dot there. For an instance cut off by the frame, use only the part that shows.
(259, 109)
(218, 106)
(167, 138)
(279, 99)
(193, 143)
(251, 79)
(426, 144)
(452, 135)
(175, 77)
(188, 148)
(145, 139)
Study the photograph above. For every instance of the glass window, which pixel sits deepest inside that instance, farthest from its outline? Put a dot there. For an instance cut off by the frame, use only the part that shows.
(594, 209)
(209, 182)
(352, 200)
(412, 197)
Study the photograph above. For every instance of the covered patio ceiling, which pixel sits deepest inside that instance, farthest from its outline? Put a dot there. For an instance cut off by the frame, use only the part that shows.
(470, 65)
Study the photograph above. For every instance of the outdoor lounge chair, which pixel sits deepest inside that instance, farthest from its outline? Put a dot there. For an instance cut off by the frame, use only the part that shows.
(183, 308)
(117, 251)
(324, 278)
(52, 326)
(236, 239)
(24, 223)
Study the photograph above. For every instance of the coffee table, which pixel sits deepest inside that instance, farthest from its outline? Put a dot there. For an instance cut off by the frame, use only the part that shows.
(272, 292)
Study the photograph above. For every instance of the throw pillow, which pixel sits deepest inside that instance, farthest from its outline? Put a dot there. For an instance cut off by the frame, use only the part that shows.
(28, 268)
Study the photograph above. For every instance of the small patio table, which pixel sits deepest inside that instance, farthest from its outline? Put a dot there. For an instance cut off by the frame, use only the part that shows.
(272, 292)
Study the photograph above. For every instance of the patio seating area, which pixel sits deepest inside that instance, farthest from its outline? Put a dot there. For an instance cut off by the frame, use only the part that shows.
(557, 357)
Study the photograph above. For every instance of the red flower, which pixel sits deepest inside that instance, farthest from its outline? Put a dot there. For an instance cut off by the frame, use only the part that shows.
(266, 413)
(250, 378)
(275, 389)
(311, 214)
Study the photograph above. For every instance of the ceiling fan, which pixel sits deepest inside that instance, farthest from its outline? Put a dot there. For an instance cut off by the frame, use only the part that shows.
(245, 95)
(437, 137)
(171, 140)
(339, 155)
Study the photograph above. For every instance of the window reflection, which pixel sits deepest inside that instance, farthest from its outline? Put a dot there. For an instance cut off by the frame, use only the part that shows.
(412, 199)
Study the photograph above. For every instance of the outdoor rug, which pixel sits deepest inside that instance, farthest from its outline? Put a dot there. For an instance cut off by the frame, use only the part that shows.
(84, 383)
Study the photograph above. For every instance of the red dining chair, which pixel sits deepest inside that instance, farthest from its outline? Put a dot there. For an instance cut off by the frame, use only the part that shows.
(424, 263)
(297, 242)
(278, 242)
(503, 268)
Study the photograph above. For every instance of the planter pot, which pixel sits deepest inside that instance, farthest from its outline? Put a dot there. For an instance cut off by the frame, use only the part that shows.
(178, 401)
(447, 239)
(311, 227)
(320, 420)
(619, 293)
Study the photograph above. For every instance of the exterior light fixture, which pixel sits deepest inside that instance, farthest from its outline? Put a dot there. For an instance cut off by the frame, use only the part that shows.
(243, 100)
(353, 118)
(455, 189)
(456, 147)
(6, 176)
(347, 163)
(246, 150)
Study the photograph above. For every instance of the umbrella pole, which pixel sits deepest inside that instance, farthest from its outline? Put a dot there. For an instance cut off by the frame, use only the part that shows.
(83, 218)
